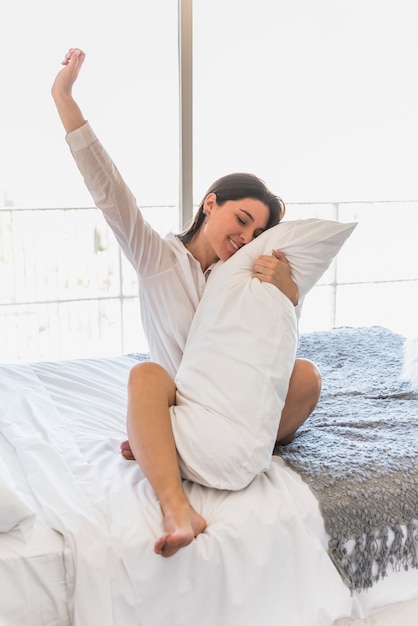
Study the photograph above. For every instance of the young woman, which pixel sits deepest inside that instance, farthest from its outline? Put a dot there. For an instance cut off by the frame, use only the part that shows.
(172, 273)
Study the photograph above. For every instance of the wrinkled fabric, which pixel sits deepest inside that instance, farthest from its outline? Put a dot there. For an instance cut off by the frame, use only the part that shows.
(358, 452)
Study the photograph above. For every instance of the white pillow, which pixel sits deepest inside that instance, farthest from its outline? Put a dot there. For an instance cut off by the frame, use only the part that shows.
(309, 245)
(16, 516)
(233, 379)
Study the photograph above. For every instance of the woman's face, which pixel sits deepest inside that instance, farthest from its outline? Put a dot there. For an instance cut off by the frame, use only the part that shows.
(233, 224)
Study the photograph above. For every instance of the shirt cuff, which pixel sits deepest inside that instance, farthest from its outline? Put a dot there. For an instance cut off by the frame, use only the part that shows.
(80, 138)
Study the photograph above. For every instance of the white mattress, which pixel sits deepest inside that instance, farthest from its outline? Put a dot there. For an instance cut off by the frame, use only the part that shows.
(90, 558)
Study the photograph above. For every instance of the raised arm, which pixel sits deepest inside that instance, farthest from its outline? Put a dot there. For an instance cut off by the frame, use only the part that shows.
(140, 243)
(69, 111)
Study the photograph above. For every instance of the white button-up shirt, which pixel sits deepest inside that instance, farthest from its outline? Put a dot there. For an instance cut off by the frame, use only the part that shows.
(171, 281)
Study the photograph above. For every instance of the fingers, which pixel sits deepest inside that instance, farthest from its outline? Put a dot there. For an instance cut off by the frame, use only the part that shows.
(263, 269)
(266, 263)
(73, 54)
(67, 76)
(269, 268)
(278, 255)
(276, 270)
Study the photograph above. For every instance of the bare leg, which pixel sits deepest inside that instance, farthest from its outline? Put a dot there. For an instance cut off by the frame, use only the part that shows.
(151, 390)
(302, 398)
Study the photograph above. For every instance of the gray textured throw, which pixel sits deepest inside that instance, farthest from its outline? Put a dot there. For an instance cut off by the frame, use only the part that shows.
(358, 452)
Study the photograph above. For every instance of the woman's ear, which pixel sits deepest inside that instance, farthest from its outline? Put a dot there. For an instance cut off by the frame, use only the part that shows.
(209, 203)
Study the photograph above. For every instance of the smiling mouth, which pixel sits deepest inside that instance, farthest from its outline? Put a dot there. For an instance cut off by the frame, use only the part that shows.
(233, 244)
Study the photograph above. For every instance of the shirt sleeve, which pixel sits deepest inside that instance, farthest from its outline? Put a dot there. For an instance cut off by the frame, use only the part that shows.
(142, 245)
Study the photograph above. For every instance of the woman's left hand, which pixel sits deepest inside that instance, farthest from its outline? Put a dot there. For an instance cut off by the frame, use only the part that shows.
(275, 269)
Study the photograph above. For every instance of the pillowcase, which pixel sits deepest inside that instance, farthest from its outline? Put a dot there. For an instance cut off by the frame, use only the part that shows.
(234, 376)
(16, 516)
(309, 245)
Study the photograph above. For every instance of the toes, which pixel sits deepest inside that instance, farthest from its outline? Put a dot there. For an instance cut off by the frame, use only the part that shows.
(160, 544)
(127, 454)
(126, 451)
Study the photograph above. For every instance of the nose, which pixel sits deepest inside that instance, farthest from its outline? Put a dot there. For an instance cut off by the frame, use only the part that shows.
(247, 235)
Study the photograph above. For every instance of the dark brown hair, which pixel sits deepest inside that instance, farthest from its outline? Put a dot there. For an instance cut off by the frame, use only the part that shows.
(237, 187)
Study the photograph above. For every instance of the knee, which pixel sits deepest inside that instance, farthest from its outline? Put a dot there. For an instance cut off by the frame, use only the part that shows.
(308, 379)
(143, 374)
(152, 382)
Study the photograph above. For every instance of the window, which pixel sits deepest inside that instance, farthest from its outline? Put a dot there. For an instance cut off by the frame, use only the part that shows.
(316, 98)
(66, 290)
(127, 89)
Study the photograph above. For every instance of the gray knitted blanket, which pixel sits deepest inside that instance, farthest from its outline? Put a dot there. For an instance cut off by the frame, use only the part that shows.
(358, 452)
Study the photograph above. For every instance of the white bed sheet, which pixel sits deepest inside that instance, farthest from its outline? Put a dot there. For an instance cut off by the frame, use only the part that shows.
(262, 559)
(33, 587)
(33, 573)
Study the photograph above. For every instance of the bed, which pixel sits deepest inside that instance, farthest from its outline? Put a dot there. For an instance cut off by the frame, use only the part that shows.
(79, 521)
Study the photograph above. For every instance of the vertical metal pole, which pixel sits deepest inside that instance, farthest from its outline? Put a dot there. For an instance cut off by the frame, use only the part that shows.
(334, 279)
(186, 111)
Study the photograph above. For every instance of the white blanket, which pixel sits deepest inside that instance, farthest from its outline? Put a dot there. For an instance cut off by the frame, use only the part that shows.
(262, 559)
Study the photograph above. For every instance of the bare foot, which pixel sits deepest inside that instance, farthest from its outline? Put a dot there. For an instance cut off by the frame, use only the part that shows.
(181, 528)
(126, 452)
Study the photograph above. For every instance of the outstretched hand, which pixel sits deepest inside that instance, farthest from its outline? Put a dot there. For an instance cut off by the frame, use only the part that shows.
(275, 269)
(61, 90)
(66, 78)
